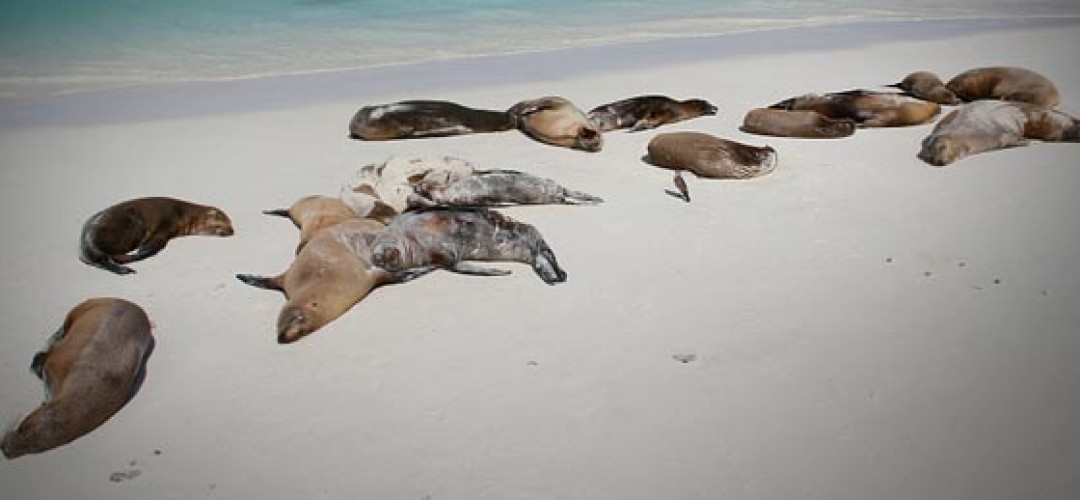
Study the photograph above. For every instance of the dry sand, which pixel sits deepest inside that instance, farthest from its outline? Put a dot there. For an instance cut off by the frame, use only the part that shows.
(855, 325)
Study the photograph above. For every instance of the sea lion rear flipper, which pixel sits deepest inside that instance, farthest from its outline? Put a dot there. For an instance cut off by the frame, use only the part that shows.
(475, 270)
(37, 365)
(411, 274)
(262, 281)
(280, 212)
(577, 197)
(546, 266)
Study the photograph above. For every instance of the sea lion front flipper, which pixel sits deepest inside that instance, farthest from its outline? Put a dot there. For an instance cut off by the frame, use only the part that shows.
(643, 124)
(147, 249)
(411, 274)
(111, 265)
(475, 270)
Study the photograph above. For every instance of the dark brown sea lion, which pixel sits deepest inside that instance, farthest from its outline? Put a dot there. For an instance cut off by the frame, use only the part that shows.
(415, 119)
(91, 368)
(447, 238)
(329, 275)
(1007, 84)
(987, 125)
(556, 121)
(312, 214)
(646, 112)
(867, 108)
(136, 229)
(928, 87)
(805, 124)
(709, 156)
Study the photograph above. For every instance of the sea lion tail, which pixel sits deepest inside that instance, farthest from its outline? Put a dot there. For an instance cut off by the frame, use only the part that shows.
(261, 281)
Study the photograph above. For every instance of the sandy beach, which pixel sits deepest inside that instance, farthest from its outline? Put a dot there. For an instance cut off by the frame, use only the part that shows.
(857, 324)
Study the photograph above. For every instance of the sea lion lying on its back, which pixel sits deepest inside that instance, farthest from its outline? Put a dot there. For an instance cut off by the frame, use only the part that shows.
(867, 108)
(1007, 84)
(646, 112)
(987, 125)
(928, 87)
(413, 119)
(91, 368)
(805, 124)
(556, 121)
(136, 229)
(709, 156)
(447, 238)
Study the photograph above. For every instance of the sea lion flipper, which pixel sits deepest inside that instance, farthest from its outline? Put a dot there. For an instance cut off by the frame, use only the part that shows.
(261, 281)
(146, 250)
(280, 212)
(643, 124)
(546, 266)
(411, 274)
(462, 267)
(577, 197)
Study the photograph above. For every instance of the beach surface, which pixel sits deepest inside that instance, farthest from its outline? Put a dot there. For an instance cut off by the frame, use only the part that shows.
(857, 324)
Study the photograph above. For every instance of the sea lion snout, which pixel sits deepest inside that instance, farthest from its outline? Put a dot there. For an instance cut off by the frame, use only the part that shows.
(214, 223)
(293, 324)
(590, 140)
(941, 151)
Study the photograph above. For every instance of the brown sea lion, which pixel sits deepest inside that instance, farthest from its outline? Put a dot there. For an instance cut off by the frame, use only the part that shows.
(1007, 84)
(329, 275)
(987, 125)
(91, 368)
(415, 119)
(136, 229)
(556, 121)
(314, 213)
(805, 124)
(646, 112)
(709, 156)
(867, 108)
(447, 238)
(928, 87)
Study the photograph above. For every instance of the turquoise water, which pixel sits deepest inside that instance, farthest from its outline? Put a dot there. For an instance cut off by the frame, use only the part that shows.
(56, 46)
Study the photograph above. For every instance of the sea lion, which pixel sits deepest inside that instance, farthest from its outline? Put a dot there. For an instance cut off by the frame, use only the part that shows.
(314, 213)
(928, 87)
(1007, 84)
(867, 108)
(415, 119)
(556, 121)
(805, 124)
(709, 156)
(987, 125)
(404, 183)
(91, 368)
(136, 229)
(646, 112)
(329, 275)
(447, 238)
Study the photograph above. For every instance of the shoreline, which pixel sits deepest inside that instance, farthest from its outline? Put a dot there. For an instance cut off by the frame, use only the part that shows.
(187, 99)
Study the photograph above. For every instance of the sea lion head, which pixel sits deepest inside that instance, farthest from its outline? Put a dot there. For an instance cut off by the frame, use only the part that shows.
(589, 139)
(212, 222)
(388, 257)
(942, 150)
(15, 443)
(296, 322)
(702, 107)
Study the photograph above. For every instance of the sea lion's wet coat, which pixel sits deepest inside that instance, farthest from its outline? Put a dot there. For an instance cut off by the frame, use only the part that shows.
(556, 121)
(1007, 84)
(928, 87)
(866, 108)
(416, 119)
(136, 229)
(709, 156)
(804, 124)
(647, 112)
(988, 125)
(91, 368)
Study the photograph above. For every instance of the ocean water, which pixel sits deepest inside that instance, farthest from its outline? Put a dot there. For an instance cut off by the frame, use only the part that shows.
(64, 46)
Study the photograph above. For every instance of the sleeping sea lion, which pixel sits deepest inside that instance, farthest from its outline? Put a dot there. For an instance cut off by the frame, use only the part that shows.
(136, 229)
(556, 121)
(709, 156)
(1007, 84)
(646, 112)
(447, 238)
(91, 368)
(928, 87)
(867, 108)
(414, 119)
(314, 213)
(987, 125)
(805, 124)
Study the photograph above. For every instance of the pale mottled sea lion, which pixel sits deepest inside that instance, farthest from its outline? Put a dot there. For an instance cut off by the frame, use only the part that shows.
(988, 125)
(448, 238)
(136, 229)
(91, 368)
(415, 119)
(329, 275)
(1007, 84)
(805, 124)
(928, 87)
(314, 213)
(709, 156)
(867, 108)
(646, 112)
(556, 121)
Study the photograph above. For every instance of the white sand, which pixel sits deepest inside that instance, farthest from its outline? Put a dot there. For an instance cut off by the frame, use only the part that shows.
(864, 325)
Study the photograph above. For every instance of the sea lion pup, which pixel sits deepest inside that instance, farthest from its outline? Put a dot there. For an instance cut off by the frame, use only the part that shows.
(867, 108)
(709, 156)
(928, 87)
(314, 213)
(414, 119)
(91, 368)
(646, 112)
(556, 121)
(804, 124)
(1006, 84)
(447, 238)
(136, 229)
(329, 275)
(987, 125)
(404, 183)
